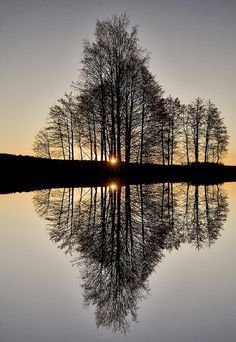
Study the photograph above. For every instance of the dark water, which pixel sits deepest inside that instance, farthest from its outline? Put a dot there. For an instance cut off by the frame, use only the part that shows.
(135, 263)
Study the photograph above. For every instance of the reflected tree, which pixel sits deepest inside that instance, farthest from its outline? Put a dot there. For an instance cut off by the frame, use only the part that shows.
(118, 235)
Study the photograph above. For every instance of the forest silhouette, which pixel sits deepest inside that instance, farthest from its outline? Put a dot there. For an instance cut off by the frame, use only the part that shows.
(116, 122)
(118, 235)
(117, 110)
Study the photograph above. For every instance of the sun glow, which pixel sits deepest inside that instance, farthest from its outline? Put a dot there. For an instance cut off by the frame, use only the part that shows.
(113, 186)
(113, 161)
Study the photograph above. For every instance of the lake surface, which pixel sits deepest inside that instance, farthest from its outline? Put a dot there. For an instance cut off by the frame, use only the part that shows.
(135, 263)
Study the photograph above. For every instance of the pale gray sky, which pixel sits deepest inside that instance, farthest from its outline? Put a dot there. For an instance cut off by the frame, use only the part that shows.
(192, 45)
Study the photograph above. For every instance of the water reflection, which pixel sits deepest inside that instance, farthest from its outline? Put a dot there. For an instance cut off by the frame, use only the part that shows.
(118, 235)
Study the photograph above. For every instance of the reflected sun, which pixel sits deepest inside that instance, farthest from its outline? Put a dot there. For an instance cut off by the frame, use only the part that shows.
(113, 186)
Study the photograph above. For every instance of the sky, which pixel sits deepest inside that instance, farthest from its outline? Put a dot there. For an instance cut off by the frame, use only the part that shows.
(192, 45)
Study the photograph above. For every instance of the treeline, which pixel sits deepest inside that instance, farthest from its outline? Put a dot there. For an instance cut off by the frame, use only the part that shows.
(118, 110)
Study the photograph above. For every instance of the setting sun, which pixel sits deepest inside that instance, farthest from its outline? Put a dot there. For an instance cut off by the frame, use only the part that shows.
(113, 161)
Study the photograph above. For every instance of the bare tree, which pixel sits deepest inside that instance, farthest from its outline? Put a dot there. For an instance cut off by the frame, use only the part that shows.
(63, 127)
(172, 109)
(186, 132)
(197, 117)
(42, 144)
(222, 140)
(116, 69)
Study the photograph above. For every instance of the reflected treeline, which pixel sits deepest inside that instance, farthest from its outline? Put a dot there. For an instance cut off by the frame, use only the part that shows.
(117, 235)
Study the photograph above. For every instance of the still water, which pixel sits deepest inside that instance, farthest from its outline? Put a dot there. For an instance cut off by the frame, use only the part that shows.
(135, 263)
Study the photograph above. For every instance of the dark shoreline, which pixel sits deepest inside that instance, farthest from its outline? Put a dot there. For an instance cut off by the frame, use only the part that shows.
(25, 173)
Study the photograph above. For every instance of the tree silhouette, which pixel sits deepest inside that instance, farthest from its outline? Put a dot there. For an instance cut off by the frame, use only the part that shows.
(117, 109)
(116, 69)
(42, 144)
